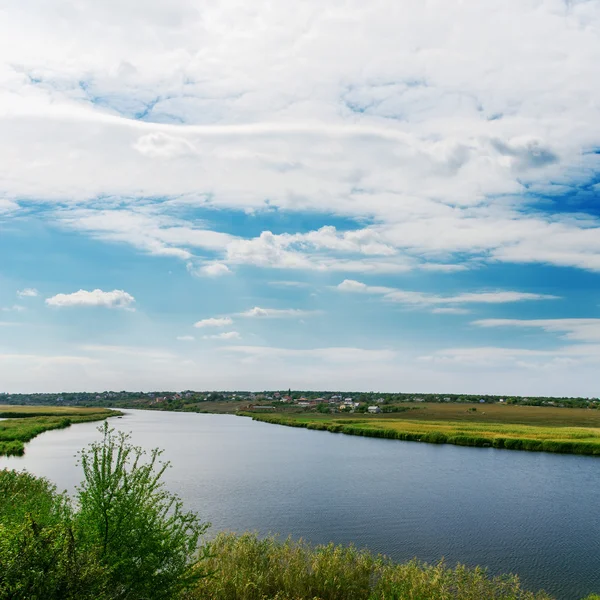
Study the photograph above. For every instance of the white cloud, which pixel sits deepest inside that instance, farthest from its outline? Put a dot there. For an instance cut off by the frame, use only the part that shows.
(162, 145)
(215, 270)
(422, 298)
(435, 139)
(350, 285)
(185, 338)
(145, 226)
(275, 312)
(226, 335)
(28, 293)
(582, 330)
(214, 322)
(114, 299)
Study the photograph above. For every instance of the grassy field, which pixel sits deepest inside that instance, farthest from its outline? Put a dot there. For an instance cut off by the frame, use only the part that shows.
(545, 429)
(23, 423)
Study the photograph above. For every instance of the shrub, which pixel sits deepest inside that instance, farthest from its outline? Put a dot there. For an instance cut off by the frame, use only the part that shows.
(129, 538)
(139, 530)
(39, 555)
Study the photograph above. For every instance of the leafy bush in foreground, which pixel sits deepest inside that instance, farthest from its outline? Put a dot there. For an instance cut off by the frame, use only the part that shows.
(128, 538)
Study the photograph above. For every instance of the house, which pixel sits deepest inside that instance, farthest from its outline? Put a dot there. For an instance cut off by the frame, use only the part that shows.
(481, 401)
(303, 404)
(501, 400)
(374, 409)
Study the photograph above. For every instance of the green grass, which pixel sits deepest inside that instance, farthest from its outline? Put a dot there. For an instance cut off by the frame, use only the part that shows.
(23, 423)
(473, 430)
(248, 568)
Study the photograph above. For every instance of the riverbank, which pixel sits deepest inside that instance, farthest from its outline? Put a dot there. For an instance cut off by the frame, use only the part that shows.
(247, 567)
(21, 424)
(510, 436)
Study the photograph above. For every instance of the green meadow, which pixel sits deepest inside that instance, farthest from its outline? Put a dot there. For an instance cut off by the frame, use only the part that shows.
(22, 423)
(539, 429)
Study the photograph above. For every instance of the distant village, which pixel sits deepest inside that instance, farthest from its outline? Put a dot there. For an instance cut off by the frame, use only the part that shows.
(367, 402)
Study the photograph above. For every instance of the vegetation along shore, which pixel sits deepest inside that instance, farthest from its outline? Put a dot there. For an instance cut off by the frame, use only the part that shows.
(512, 428)
(21, 424)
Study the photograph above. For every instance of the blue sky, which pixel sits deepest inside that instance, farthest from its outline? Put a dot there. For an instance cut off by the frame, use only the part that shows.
(333, 195)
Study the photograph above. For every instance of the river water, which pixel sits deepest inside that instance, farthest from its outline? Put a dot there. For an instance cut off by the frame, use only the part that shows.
(533, 514)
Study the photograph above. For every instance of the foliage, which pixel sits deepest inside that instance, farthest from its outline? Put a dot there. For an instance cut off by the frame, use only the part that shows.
(39, 555)
(127, 537)
(139, 529)
(249, 568)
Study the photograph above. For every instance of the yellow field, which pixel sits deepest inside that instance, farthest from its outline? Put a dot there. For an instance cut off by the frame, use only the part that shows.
(575, 431)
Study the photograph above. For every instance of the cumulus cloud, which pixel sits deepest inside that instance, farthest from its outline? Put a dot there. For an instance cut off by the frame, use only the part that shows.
(28, 293)
(83, 298)
(226, 335)
(215, 270)
(214, 322)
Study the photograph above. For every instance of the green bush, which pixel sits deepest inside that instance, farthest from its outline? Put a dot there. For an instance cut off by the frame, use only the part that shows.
(40, 557)
(128, 537)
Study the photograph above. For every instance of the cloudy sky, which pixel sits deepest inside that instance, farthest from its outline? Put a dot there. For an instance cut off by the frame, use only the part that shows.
(382, 195)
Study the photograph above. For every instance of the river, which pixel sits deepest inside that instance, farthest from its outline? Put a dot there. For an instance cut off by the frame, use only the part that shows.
(533, 514)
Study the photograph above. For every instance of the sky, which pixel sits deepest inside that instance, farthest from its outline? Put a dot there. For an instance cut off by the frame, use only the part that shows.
(339, 195)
